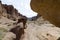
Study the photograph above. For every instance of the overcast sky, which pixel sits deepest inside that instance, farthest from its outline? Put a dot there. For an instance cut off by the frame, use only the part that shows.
(23, 6)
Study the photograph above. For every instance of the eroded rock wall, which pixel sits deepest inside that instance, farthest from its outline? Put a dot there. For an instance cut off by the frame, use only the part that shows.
(12, 23)
(49, 9)
(41, 29)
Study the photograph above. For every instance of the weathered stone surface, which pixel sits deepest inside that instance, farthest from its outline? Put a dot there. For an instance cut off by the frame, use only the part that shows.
(12, 26)
(9, 36)
(41, 30)
(11, 21)
(49, 9)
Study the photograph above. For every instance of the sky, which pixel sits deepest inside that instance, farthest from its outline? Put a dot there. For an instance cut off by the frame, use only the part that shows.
(23, 6)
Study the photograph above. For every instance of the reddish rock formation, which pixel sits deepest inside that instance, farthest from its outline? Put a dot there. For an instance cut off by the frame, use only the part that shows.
(49, 9)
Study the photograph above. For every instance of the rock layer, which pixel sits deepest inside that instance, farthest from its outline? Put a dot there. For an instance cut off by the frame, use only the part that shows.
(49, 9)
(41, 29)
(12, 21)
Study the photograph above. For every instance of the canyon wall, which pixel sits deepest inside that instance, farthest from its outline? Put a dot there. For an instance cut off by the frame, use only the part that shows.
(12, 23)
(14, 26)
(49, 9)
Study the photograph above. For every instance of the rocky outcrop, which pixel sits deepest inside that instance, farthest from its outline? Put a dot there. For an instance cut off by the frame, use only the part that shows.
(13, 26)
(11, 21)
(41, 29)
(49, 9)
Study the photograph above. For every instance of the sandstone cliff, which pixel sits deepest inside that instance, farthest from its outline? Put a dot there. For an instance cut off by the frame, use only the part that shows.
(41, 29)
(37, 27)
(12, 23)
(49, 9)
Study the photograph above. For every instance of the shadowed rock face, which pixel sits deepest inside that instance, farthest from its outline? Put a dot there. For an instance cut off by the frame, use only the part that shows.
(49, 9)
(18, 32)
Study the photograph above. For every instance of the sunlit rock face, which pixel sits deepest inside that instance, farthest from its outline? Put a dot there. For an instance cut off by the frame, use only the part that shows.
(8, 14)
(49, 9)
(41, 29)
(12, 23)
